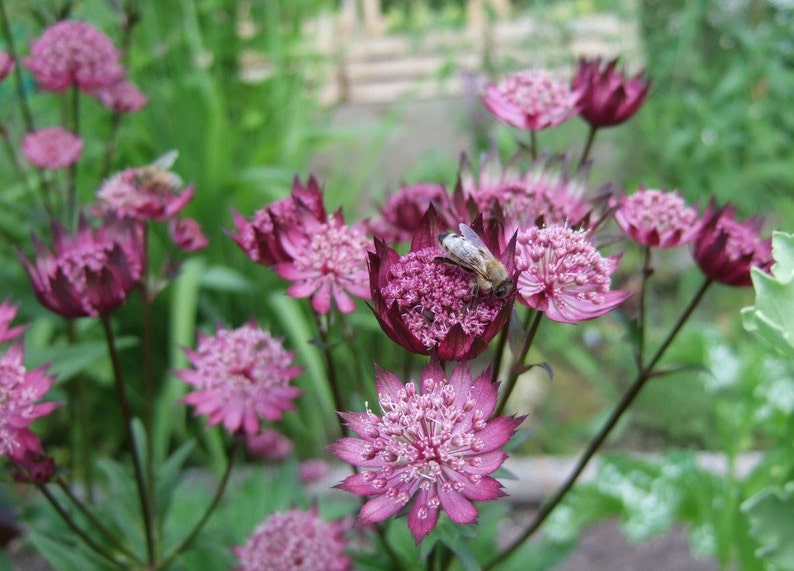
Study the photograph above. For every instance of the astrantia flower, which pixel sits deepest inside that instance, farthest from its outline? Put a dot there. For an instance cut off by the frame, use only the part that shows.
(725, 249)
(7, 314)
(258, 238)
(269, 443)
(295, 541)
(74, 53)
(6, 65)
(52, 148)
(240, 375)
(657, 218)
(20, 391)
(144, 193)
(121, 97)
(427, 305)
(90, 273)
(403, 211)
(187, 235)
(532, 99)
(328, 261)
(310, 471)
(435, 445)
(608, 97)
(563, 275)
(543, 190)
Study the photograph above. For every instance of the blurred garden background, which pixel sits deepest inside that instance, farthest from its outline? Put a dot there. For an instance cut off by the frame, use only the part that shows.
(368, 95)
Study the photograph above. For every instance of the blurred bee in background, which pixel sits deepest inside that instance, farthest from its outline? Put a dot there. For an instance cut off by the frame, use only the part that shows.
(468, 251)
(157, 178)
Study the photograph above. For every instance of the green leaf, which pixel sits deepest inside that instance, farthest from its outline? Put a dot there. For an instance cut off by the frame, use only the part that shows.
(66, 362)
(64, 556)
(772, 316)
(771, 513)
(456, 538)
(223, 278)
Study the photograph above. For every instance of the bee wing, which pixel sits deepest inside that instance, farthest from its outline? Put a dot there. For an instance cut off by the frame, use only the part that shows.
(466, 254)
(166, 161)
(472, 237)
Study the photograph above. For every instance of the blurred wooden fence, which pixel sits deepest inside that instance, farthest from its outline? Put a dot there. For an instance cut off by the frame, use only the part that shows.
(366, 64)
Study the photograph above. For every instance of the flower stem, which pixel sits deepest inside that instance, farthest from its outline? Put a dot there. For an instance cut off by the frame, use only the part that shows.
(185, 543)
(533, 145)
(87, 539)
(647, 270)
(626, 400)
(501, 343)
(518, 362)
(97, 525)
(71, 185)
(27, 117)
(140, 479)
(330, 371)
(591, 135)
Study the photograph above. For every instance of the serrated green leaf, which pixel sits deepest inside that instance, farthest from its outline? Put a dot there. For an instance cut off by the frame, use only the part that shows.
(771, 513)
(772, 316)
(64, 556)
(66, 362)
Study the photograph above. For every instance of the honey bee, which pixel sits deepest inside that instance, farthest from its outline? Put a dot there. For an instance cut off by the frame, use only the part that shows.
(468, 251)
(157, 178)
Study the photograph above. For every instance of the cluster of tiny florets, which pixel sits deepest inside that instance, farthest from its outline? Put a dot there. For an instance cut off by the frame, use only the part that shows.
(434, 296)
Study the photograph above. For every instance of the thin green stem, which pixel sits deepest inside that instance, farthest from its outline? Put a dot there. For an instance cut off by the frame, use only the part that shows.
(27, 117)
(626, 400)
(533, 145)
(71, 184)
(499, 352)
(185, 543)
(518, 362)
(591, 135)
(83, 535)
(148, 394)
(95, 523)
(140, 479)
(647, 270)
(322, 322)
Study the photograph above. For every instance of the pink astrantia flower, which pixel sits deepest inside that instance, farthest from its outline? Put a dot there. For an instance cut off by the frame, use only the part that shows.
(608, 97)
(121, 97)
(20, 391)
(7, 314)
(542, 191)
(52, 148)
(269, 443)
(328, 261)
(187, 235)
(429, 306)
(74, 53)
(6, 65)
(533, 99)
(563, 274)
(295, 541)
(90, 273)
(240, 375)
(435, 445)
(145, 193)
(311, 471)
(403, 211)
(657, 218)
(726, 249)
(259, 237)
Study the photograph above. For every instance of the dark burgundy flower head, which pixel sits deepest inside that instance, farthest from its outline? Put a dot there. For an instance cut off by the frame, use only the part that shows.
(259, 237)
(725, 249)
(609, 97)
(90, 273)
(428, 305)
(402, 213)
